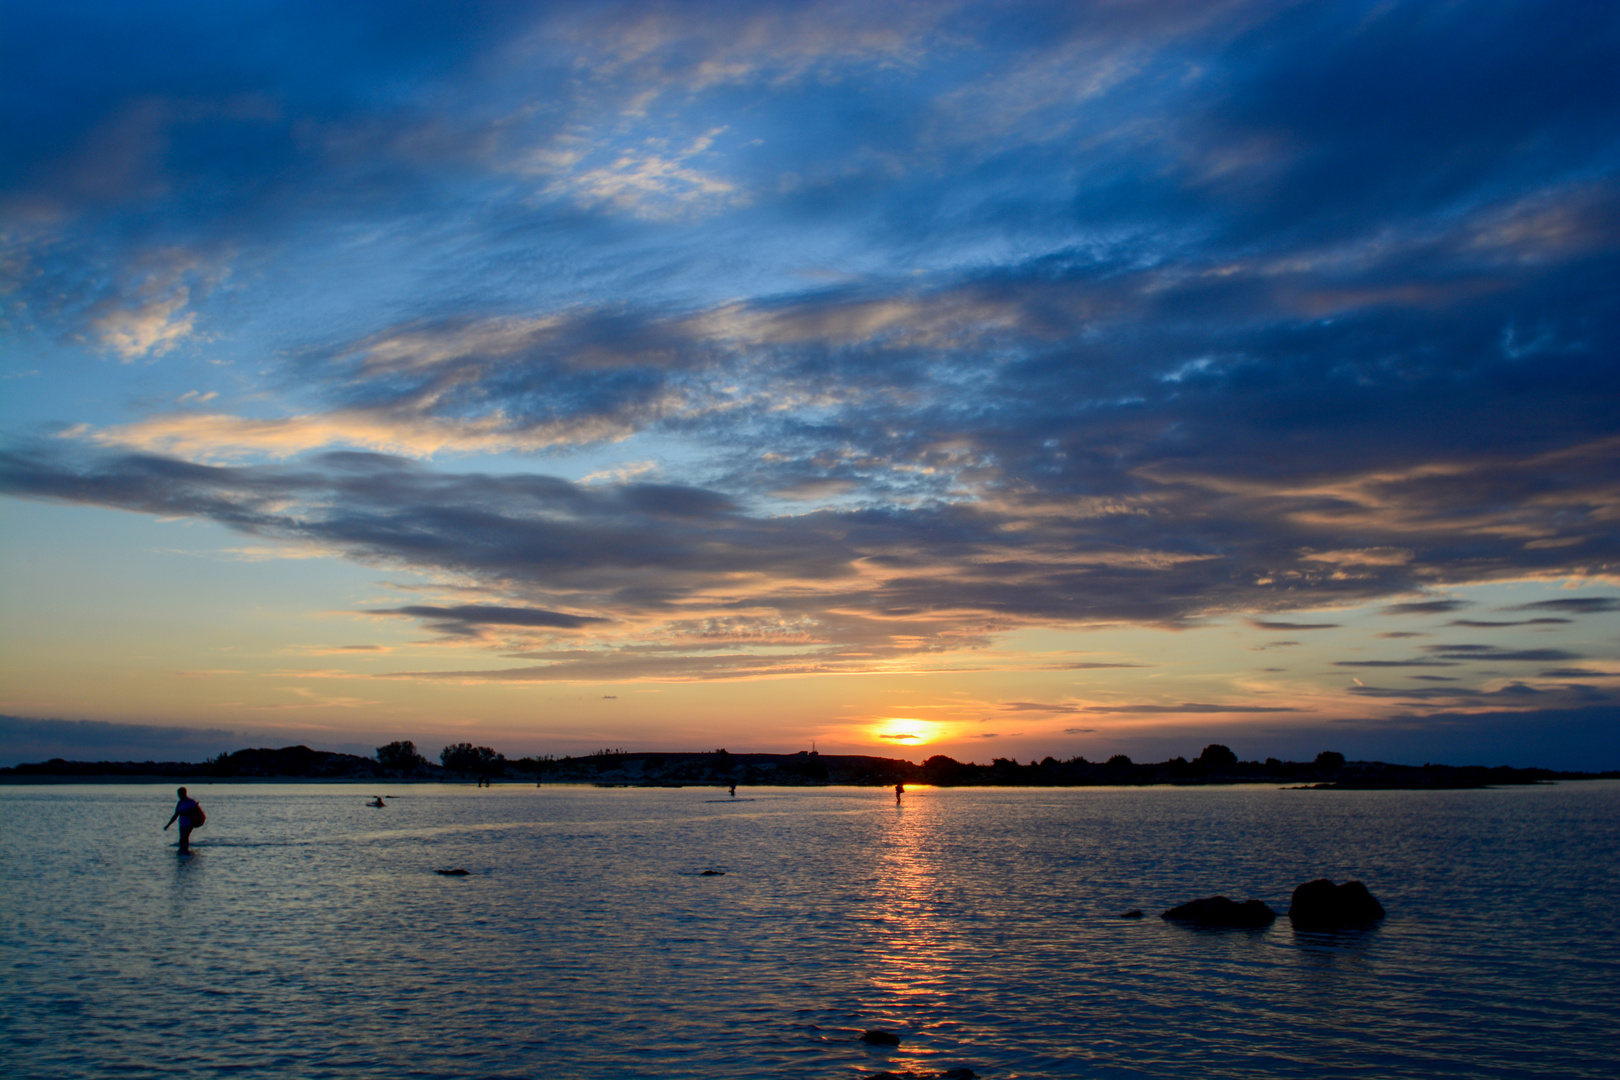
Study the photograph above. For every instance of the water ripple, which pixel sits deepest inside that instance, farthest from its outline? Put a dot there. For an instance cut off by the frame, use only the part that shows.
(309, 938)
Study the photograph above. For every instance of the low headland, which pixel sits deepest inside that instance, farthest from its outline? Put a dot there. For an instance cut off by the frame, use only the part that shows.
(464, 763)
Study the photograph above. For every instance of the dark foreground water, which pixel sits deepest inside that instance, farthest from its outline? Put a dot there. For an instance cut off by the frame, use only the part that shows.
(310, 937)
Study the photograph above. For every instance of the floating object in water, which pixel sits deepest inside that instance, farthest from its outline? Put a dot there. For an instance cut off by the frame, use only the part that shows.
(453, 873)
(1134, 913)
(876, 1037)
(713, 873)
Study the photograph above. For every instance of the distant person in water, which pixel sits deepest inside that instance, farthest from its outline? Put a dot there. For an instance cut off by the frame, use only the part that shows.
(899, 790)
(184, 812)
(376, 800)
(733, 791)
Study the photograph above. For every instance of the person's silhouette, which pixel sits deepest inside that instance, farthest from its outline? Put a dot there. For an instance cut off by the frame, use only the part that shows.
(185, 812)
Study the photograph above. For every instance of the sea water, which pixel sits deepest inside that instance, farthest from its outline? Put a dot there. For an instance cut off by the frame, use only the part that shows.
(309, 935)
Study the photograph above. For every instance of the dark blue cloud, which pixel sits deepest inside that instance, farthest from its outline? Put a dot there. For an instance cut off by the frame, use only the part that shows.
(1492, 652)
(469, 620)
(1575, 605)
(1570, 737)
(1424, 607)
(94, 740)
(25, 739)
(639, 547)
(1393, 111)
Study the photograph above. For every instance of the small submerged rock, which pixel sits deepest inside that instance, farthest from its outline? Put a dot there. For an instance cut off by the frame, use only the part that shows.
(453, 873)
(713, 873)
(1322, 905)
(880, 1038)
(1218, 911)
(1134, 913)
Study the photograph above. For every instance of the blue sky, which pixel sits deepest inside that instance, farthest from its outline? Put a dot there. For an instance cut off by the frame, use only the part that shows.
(972, 378)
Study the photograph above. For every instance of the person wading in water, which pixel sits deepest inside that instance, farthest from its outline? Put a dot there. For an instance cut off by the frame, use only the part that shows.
(187, 812)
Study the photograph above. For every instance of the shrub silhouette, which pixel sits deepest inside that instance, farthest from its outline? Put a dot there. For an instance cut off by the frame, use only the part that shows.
(465, 757)
(1216, 756)
(400, 755)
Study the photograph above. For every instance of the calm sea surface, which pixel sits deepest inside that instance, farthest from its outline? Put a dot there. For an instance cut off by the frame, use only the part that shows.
(310, 937)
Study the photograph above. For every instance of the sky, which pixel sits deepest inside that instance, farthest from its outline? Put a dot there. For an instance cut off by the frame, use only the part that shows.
(990, 379)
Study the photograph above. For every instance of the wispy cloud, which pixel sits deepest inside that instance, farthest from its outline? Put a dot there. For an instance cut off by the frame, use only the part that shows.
(150, 329)
(469, 619)
(1425, 607)
(1574, 605)
(1191, 708)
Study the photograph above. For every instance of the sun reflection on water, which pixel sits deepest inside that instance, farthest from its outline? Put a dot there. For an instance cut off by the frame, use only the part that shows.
(915, 980)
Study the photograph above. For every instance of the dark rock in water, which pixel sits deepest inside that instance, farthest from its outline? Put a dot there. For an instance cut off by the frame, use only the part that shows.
(453, 873)
(1219, 911)
(880, 1038)
(713, 873)
(1134, 913)
(1322, 905)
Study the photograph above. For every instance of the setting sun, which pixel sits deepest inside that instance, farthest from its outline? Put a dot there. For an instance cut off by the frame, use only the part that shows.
(904, 731)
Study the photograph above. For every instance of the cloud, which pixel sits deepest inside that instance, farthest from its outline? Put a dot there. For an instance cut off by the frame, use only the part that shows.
(1273, 624)
(1574, 605)
(1515, 695)
(1425, 607)
(149, 330)
(27, 739)
(1386, 556)
(470, 620)
(31, 739)
(1492, 652)
(224, 437)
(1192, 707)
(651, 179)
(655, 557)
